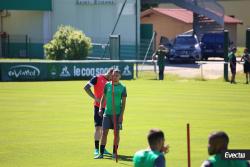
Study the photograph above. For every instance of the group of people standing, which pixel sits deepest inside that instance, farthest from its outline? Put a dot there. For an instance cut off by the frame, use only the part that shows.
(153, 156)
(161, 54)
(108, 98)
(246, 60)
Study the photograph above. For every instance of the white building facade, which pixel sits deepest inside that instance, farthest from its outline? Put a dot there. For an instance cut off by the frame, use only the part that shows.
(28, 26)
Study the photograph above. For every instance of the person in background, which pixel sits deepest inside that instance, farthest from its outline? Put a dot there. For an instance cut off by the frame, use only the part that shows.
(232, 61)
(160, 56)
(246, 59)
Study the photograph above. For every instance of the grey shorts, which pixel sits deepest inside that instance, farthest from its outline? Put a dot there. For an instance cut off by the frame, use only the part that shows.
(108, 122)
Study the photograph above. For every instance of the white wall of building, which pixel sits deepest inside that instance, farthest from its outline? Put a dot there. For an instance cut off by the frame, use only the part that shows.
(239, 9)
(47, 28)
(97, 20)
(20, 23)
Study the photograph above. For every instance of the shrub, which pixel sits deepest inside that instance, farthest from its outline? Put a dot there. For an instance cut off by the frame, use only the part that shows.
(68, 43)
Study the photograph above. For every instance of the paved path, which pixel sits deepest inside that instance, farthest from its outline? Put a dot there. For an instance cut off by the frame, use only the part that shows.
(207, 70)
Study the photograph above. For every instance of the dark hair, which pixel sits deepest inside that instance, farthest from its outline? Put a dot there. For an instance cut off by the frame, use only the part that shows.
(154, 136)
(220, 135)
(218, 142)
(117, 71)
(233, 49)
(110, 71)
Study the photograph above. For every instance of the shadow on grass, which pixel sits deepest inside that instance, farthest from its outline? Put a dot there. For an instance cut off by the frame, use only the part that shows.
(183, 64)
(121, 158)
(125, 158)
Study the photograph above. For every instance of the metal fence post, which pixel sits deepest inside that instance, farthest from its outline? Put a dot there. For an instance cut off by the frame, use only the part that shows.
(8, 45)
(114, 47)
(26, 46)
(226, 42)
(201, 66)
(248, 39)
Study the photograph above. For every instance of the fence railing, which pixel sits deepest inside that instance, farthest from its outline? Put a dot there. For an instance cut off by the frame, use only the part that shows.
(21, 46)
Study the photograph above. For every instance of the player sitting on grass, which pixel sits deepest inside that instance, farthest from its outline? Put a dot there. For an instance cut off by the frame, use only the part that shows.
(154, 156)
(217, 143)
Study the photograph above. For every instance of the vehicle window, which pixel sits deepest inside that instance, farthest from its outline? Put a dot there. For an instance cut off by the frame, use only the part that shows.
(165, 41)
(185, 41)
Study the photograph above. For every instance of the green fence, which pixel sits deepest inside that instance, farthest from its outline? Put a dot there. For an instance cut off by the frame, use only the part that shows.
(21, 46)
(70, 70)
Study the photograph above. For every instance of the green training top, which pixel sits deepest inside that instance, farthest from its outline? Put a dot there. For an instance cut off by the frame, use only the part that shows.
(119, 92)
(145, 158)
(231, 56)
(161, 57)
(217, 161)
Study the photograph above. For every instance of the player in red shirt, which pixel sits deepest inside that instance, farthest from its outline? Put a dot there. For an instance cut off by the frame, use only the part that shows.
(98, 82)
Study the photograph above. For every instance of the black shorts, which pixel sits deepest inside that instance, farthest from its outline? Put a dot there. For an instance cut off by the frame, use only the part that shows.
(97, 118)
(246, 68)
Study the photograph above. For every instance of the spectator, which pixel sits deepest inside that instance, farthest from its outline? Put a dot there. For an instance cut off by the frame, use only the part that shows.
(160, 56)
(232, 61)
(246, 58)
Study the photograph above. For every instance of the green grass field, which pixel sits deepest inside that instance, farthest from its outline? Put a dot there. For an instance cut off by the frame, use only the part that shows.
(51, 124)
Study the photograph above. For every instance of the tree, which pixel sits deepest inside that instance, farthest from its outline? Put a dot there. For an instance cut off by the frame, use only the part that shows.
(68, 43)
(145, 6)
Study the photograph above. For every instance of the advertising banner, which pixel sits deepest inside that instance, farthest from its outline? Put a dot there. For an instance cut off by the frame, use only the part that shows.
(61, 71)
(23, 71)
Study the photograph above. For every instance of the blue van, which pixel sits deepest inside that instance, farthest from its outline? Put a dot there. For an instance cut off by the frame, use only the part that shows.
(212, 45)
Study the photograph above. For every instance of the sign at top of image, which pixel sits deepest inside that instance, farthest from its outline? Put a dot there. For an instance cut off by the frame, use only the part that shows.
(95, 2)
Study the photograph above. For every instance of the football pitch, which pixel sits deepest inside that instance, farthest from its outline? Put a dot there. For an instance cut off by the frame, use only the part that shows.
(51, 123)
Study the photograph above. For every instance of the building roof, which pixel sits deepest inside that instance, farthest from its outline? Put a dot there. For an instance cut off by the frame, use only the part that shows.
(183, 15)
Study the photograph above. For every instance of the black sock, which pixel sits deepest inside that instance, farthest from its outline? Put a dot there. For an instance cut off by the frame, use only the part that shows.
(102, 147)
(96, 144)
(114, 148)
